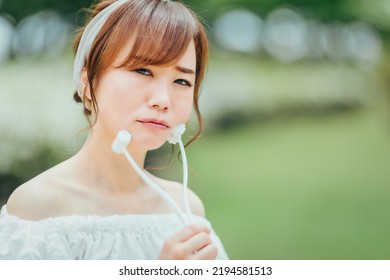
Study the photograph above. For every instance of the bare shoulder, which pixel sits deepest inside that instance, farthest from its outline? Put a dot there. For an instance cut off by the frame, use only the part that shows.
(37, 198)
(196, 204)
(175, 189)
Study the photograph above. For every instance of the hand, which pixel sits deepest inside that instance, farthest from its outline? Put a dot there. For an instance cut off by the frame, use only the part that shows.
(192, 242)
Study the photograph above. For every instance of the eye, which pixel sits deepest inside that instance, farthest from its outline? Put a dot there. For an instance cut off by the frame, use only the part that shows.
(144, 71)
(183, 82)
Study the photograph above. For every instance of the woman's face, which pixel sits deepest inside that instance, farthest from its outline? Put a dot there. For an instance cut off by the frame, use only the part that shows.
(148, 101)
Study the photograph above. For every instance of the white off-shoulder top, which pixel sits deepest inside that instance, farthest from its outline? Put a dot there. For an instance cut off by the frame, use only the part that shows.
(91, 237)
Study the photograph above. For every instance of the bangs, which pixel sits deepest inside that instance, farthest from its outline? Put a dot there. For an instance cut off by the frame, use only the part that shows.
(160, 32)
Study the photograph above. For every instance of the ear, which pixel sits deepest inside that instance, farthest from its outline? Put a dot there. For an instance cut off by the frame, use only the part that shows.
(85, 84)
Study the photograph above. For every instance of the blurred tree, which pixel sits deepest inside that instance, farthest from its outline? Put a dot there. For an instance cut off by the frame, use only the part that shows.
(21, 8)
(8, 182)
(44, 157)
(326, 10)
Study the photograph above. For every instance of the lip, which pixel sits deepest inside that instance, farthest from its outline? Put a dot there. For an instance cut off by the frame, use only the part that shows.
(154, 123)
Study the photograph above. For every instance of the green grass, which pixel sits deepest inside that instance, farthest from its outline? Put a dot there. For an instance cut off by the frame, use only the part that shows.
(299, 189)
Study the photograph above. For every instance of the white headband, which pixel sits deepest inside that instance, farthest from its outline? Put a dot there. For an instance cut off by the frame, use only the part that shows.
(90, 32)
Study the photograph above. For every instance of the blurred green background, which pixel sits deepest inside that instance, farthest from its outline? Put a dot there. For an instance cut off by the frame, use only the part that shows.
(295, 158)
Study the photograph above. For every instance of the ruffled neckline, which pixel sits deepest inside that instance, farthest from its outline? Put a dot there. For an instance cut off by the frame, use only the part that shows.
(130, 236)
(139, 220)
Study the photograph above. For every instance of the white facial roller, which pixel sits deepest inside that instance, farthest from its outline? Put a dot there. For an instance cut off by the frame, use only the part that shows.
(121, 141)
(175, 138)
(176, 133)
(119, 145)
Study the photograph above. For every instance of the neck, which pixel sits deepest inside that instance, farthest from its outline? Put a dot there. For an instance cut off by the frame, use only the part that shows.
(103, 169)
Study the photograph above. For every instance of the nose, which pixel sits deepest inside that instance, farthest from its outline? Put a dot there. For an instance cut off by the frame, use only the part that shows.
(160, 98)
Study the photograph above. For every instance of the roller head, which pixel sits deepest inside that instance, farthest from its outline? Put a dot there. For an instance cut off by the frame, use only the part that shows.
(176, 133)
(121, 141)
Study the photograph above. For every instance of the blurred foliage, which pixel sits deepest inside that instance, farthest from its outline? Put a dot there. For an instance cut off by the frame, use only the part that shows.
(8, 183)
(23, 169)
(21, 8)
(324, 10)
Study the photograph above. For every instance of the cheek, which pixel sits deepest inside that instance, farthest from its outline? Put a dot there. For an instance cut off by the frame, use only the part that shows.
(116, 98)
(121, 92)
(184, 107)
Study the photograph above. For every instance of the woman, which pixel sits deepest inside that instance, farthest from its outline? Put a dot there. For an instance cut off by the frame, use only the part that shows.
(138, 67)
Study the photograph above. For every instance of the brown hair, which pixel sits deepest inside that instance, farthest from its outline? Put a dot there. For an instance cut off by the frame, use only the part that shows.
(162, 31)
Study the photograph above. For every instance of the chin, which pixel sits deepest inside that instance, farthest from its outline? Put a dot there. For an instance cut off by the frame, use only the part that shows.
(148, 143)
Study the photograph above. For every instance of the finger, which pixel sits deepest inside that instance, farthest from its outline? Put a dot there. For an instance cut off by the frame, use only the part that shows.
(196, 243)
(187, 232)
(185, 250)
(209, 252)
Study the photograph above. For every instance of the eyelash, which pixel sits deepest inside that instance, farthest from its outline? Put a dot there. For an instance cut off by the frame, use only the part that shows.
(181, 82)
(184, 83)
(142, 72)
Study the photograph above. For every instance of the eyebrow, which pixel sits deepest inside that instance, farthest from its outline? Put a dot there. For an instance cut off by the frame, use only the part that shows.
(177, 67)
(184, 70)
